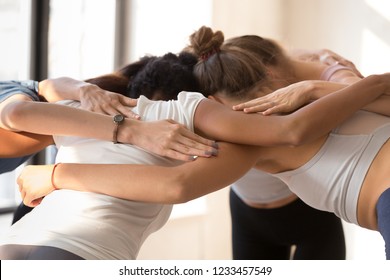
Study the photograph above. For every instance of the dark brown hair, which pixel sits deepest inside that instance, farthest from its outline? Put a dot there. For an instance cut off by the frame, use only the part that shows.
(235, 67)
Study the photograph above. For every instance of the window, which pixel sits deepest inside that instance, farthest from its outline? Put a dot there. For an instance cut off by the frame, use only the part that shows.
(156, 32)
(81, 38)
(75, 30)
(14, 56)
(14, 31)
(87, 38)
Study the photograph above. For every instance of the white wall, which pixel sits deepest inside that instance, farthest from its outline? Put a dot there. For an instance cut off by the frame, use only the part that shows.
(262, 17)
(357, 29)
(205, 235)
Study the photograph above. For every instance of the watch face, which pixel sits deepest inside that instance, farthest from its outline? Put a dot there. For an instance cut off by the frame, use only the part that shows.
(118, 118)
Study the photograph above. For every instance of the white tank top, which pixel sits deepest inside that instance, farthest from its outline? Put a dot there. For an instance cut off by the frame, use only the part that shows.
(257, 186)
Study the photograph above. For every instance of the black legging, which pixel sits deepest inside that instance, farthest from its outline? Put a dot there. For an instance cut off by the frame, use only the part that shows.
(269, 234)
(383, 214)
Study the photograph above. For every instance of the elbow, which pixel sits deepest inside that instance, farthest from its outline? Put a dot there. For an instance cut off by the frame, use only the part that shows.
(179, 194)
(296, 135)
(179, 190)
(13, 114)
(297, 139)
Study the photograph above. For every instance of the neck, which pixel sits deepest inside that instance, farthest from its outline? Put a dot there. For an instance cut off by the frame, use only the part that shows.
(283, 74)
(307, 70)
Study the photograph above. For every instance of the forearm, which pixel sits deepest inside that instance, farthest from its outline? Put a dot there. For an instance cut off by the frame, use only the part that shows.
(380, 105)
(54, 119)
(320, 117)
(323, 88)
(48, 119)
(126, 181)
(63, 88)
(328, 58)
(156, 183)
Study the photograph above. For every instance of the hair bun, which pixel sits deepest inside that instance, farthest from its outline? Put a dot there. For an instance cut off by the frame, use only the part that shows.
(204, 42)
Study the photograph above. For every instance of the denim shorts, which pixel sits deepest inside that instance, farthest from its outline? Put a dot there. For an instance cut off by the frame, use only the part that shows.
(10, 88)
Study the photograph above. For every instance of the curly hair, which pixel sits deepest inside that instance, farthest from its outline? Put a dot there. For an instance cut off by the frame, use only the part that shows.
(156, 77)
(162, 78)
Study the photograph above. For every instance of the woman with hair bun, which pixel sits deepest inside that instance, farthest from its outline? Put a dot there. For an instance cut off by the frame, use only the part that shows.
(268, 220)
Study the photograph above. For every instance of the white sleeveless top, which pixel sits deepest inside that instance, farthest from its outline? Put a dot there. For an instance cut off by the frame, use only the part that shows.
(257, 186)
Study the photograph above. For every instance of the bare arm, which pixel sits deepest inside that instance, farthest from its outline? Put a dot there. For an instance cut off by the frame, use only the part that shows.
(349, 76)
(292, 97)
(20, 114)
(289, 98)
(325, 57)
(91, 97)
(166, 185)
(190, 180)
(302, 126)
(17, 144)
(164, 137)
(167, 138)
(308, 68)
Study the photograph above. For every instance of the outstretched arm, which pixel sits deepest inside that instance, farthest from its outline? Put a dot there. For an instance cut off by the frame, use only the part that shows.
(325, 57)
(311, 67)
(292, 97)
(190, 180)
(302, 126)
(165, 137)
(144, 182)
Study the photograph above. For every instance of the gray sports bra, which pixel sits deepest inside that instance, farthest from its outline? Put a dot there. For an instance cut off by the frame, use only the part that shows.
(332, 179)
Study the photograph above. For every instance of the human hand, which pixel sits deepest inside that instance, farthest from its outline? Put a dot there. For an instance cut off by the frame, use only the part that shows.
(328, 58)
(35, 183)
(95, 99)
(284, 100)
(91, 97)
(169, 138)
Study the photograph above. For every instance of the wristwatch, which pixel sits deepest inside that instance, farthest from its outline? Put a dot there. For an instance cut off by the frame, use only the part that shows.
(118, 120)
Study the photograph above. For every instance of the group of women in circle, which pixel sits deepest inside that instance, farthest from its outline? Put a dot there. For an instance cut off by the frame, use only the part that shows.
(302, 144)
